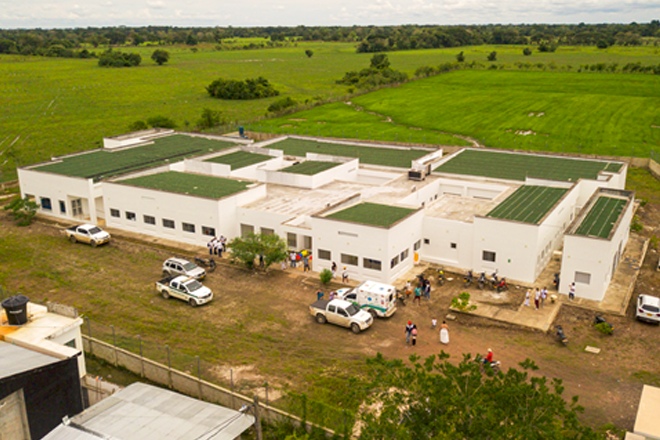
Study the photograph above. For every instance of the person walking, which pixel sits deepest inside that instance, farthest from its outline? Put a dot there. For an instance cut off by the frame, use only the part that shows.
(571, 292)
(306, 267)
(434, 323)
(444, 333)
(408, 289)
(344, 275)
(427, 289)
(413, 335)
(292, 259)
(218, 248)
(334, 270)
(527, 298)
(409, 328)
(537, 298)
(319, 295)
(544, 295)
(418, 295)
(211, 245)
(223, 242)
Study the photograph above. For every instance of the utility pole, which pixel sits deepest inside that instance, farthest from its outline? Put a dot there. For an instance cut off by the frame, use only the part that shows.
(257, 418)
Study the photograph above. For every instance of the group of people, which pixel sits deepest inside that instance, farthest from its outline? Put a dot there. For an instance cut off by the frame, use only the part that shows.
(217, 246)
(423, 288)
(540, 295)
(412, 331)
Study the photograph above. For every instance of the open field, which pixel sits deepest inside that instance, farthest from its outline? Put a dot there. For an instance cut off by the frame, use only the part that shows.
(529, 204)
(55, 106)
(372, 214)
(613, 114)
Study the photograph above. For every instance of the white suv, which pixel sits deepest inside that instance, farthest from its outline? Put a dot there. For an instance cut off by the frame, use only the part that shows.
(179, 266)
(648, 308)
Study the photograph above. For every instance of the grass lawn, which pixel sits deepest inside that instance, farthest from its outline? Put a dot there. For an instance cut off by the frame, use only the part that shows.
(520, 166)
(601, 217)
(393, 157)
(186, 183)
(310, 167)
(613, 114)
(240, 159)
(529, 204)
(104, 164)
(372, 214)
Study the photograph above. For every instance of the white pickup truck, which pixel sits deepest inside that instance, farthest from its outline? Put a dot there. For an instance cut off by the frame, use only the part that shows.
(186, 289)
(90, 234)
(342, 313)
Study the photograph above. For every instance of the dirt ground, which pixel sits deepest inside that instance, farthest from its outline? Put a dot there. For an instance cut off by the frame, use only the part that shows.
(259, 324)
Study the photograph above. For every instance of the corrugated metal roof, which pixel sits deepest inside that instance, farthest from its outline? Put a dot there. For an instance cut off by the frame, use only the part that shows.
(15, 360)
(143, 411)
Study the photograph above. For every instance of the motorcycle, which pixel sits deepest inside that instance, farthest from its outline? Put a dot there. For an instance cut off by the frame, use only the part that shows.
(481, 283)
(441, 277)
(494, 366)
(494, 281)
(600, 320)
(208, 263)
(467, 279)
(555, 281)
(561, 336)
(502, 285)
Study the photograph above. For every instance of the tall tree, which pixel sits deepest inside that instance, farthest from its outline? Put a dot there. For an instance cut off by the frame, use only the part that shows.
(160, 56)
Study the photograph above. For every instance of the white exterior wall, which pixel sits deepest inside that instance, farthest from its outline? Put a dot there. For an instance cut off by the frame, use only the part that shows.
(57, 187)
(441, 233)
(594, 256)
(370, 242)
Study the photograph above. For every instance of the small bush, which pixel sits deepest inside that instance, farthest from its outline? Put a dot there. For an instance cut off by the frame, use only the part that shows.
(527, 51)
(209, 119)
(460, 57)
(138, 125)
(110, 58)
(281, 104)
(604, 328)
(635, 225)
(325, 276)
(161, 122)
(462, 303)
(492, 56)
(23, 210)
(251, 88)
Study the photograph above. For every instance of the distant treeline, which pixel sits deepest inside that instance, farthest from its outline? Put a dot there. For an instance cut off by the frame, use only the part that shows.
(71, 42)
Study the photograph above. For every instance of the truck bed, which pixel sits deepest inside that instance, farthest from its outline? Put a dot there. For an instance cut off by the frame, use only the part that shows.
(320, 304)
(166, 280)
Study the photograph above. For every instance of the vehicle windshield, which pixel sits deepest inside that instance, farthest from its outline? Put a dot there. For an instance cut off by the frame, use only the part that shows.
(352, 310)
(193, 285)
(650, 308)
(95, 230)
(189, 266)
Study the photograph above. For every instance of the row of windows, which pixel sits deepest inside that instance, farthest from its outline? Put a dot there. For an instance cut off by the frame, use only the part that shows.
(167, 223)
(46, 205)
(367, 263)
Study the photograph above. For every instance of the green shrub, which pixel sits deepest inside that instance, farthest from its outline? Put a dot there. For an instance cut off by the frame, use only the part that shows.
(111, 58)
(161, 122)
(281, 104)
(527, 51)
(462, 303)
(325, 276)
(604, 328)
(251, 88)
(23, 210)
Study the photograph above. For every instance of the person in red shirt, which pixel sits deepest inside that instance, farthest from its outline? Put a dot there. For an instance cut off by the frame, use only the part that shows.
(489, 357)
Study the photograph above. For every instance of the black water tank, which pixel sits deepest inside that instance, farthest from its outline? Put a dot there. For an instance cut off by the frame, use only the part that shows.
(16, 309)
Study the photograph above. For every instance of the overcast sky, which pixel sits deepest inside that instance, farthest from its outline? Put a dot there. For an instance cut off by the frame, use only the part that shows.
(81, 13)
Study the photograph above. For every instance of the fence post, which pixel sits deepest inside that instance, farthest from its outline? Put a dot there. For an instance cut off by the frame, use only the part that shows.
(199, 378)
(169, 368)
(89, 333)
(257, 418)
(114, 342)
(231, 378)
(141, 357)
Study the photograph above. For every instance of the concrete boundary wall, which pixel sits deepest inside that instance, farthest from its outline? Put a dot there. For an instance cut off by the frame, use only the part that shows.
(186, 383)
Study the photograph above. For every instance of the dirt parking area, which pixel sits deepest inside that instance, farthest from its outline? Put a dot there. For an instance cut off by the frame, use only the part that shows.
(259, 324)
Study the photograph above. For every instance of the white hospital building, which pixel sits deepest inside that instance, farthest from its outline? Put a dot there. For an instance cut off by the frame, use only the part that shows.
(371, 208)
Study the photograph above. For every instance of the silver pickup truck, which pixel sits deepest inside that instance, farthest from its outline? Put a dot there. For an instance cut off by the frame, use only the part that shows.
(342, 313)
(186, 289)
(90, 234)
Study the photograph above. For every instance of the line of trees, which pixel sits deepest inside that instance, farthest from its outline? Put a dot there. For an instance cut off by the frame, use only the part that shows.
(367, 38)
(250, 88)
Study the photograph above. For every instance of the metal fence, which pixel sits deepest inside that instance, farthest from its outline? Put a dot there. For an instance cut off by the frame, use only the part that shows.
(195, 376)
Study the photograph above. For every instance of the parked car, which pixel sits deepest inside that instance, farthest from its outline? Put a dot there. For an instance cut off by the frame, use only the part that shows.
(179, 266)
(340, 312)
(648, 308)
(90, 234)
(186, 289)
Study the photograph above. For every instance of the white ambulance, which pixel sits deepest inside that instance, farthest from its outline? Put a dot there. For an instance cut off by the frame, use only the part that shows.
(379, 299)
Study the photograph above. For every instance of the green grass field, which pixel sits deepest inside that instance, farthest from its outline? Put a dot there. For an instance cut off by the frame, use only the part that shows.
(393, 157)
(372, 214)
(601, 217)
(103, 164)
(240, 159)
(55, 106)
(310, 167)
(519, 167)
(187, 183)
(612, 114)
(529, 204)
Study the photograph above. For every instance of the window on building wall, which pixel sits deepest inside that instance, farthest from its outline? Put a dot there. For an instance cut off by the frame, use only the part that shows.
(149, 219)
(427, 241)
(207, 230)
(246, 229)
(488, 256)
(167, 223)
(62, 207)
(114, 213)
(404, 254)
(368, 263)
(45, 204)
(130, 216)
(582, 278)
(307, 242)
(349, 259)
(267, 231)
(452, 245)
(324, 255)
(188, 227)
(417, 245)
(394, 261)
(292, 240)
(76, 207)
